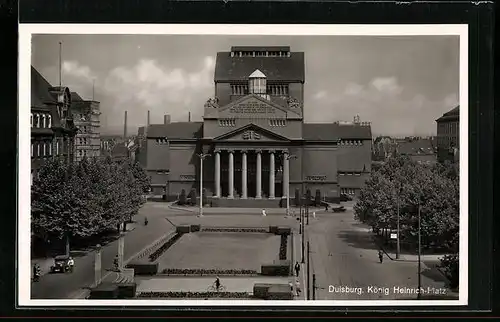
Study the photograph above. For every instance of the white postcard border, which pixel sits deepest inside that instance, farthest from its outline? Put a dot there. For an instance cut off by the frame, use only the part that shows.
(24, 222)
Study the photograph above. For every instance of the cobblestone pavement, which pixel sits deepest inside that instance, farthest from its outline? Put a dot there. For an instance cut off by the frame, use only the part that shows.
(345, 261)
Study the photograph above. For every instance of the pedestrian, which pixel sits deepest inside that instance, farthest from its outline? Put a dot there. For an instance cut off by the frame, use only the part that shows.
(314, 214)
(326, 207)
(264, 212)
(297, 287)
(297, 269)
(380, 256)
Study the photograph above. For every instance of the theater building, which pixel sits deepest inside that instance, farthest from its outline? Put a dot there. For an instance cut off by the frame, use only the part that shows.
(258, 144)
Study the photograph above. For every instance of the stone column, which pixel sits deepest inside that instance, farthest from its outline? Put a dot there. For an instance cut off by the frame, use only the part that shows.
(231, 174)
(217, 174)
(271, 175)
(286, 174)
(244, 189)
(258, 194)
(97, 266)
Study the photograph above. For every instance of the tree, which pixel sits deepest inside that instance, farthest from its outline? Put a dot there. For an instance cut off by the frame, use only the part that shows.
(193, 197)
(182, 198)
(407, 183)
(297, 197)
(317, 198)
(308, 197)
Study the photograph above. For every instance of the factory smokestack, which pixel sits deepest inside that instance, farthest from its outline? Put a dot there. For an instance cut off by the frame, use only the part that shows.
(125, 126)
(166, 119)
(149, 120)
(189, 117)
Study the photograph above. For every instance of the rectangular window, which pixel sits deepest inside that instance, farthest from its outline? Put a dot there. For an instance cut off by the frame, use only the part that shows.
(57, 147)
(31, 149)
(38, 149)
(50, 148)
(44, 148)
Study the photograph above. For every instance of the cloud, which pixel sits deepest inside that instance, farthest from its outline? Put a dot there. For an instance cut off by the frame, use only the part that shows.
(150, 86)
(74, 69)
(319, 95)
(382, 102)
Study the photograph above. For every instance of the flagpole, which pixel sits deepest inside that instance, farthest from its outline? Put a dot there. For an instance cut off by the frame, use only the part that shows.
(60, 64)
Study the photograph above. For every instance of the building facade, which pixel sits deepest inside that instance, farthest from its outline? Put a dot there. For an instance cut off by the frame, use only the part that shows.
(448, 135)
(52, 128)
(254, 132)
(86, 115)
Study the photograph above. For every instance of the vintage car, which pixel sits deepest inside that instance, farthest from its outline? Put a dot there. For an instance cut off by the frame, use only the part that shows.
(61, 264)
(339, 209)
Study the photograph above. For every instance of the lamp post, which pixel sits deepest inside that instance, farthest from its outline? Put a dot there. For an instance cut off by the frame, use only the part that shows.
(398, 246)
(288, 157)
(202, 157)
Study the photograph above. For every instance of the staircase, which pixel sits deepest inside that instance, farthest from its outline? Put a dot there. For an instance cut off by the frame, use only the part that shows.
(123, 279)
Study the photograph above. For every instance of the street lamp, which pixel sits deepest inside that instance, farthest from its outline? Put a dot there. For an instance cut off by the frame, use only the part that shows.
(288, 158)
(202, 157)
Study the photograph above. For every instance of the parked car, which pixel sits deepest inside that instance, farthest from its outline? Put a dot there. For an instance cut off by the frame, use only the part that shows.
(61, 264)
(345, 197)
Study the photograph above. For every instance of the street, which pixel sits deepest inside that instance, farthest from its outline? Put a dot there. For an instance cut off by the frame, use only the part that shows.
(345, 261)
(61, 286)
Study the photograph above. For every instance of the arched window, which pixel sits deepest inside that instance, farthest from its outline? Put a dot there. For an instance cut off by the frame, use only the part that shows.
(50, 148)
(38, 149)
(43, 121)
(44, 148)
(31, 120)
(32, 149)
(37, 120)
(57, 147)
(49, 119)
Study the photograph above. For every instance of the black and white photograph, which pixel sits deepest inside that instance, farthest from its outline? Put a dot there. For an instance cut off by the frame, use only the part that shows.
(207, 165)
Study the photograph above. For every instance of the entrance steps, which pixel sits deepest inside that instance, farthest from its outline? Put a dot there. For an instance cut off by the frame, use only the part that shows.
(248, 203)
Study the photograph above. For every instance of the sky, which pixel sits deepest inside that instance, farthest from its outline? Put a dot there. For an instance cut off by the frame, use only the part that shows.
(400, 84)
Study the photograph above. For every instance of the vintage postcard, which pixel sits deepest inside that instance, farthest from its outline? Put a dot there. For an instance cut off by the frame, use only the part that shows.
(195, 165)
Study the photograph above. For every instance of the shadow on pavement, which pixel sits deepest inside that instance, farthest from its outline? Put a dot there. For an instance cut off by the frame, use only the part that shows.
(358, 239)
(432, 272)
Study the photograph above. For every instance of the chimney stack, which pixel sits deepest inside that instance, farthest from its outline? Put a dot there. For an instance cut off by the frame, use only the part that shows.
(149, 118)
(125, 126)
(189, 117)
(166, 119)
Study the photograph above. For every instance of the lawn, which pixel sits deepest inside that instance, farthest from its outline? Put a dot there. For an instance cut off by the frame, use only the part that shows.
(214, 250)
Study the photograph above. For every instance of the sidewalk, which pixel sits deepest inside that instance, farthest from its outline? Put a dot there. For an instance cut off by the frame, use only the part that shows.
(245, 211)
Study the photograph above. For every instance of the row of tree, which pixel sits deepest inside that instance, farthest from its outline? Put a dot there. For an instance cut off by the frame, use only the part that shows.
(402, 186)
(86, 198)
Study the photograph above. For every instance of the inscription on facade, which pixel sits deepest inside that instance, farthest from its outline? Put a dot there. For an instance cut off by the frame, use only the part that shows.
(316, 178)
(251, 135)
(187, 176)
(252, 108)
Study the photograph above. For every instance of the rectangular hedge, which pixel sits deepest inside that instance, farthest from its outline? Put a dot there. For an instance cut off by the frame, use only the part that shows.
(283, 231)
(104, 291)
(280, 292)
(195, 228)
(183, 229)
(143, 268)
(127, 290)
(260, 290)
(279, 268)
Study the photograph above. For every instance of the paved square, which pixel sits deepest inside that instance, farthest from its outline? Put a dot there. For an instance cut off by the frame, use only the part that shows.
(202, 284)
(225, 250)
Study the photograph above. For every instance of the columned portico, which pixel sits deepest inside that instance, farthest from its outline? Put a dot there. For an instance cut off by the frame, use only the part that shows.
(271, 175)
(217, 174)
(255, 181)
(258, 179)
(231, 174)
(244, 174)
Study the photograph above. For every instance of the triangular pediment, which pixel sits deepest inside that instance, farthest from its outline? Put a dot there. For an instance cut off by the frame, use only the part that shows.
(255, 106)
(251, 132)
